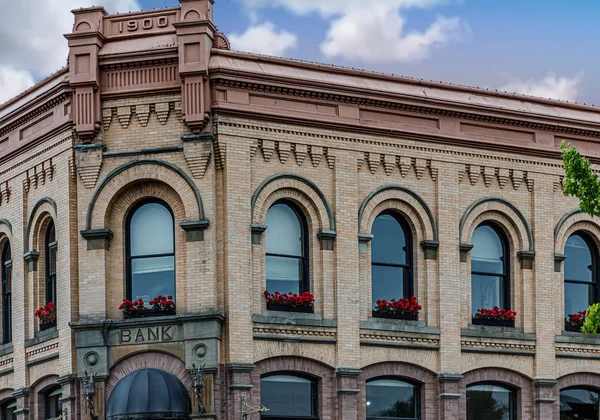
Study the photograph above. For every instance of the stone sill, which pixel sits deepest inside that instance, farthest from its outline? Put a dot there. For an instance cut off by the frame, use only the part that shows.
(398, 325)
(153, 320)
(293, 318)
(506, 333)
(572, 337)
(42, 336)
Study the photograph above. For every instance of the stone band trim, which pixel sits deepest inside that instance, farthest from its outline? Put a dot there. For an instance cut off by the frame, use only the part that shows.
(450, 396)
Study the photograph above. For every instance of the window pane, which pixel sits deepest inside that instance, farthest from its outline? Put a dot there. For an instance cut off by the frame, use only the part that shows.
(152, 277)
(388, 282)
(286, 396)
(487, 292)
(53, 404)
(579, 404)
(489, 402)
(578, 264)
(151, 230)
(284, 231)
(487, 252)
(391, 399)
(578, 297)
(283, 274)
(389, 242)
(52, 261)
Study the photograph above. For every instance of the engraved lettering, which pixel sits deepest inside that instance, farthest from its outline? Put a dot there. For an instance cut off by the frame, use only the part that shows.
(125, 336)
(166, 335)
(153, 334)
(147, 23)
(162, 21)
(139, 337)
(132, 26)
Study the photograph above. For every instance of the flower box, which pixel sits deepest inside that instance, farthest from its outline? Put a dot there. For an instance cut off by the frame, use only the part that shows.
(392, 315)
(44, 327)
(149, 314)
(572, 328)
(494, 322)
(288, 308)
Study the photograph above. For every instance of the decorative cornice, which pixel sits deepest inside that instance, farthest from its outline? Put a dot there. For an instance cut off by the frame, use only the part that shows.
(294, 332)
(406, 107)
(400, 339)
(47, 106)
(139, 64)
(497, 346)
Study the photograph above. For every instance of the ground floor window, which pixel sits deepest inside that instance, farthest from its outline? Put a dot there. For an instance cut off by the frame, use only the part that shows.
(491, 402)
(52, 403)
(8, 410)
(391, 398)
(579, 404)
(288, 396)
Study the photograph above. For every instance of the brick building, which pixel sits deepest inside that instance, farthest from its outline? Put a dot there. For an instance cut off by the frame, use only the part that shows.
(159, 162)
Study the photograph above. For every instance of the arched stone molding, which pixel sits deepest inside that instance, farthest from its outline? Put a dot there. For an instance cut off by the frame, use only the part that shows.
(5, 227)
(414, 209)
(426, 379)
(6, 395)
(144, 170)
(300, 190)
(320, 353)
(585, 379)
(522, 384)
(325, 375)
(508, 217)
(150, 359)
(44, 207)
(571, 222)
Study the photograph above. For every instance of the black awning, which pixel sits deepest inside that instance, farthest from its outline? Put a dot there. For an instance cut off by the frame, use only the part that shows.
(148, 394)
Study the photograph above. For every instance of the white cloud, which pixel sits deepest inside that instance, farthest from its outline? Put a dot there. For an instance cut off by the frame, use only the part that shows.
(264, 38)
(13, 82)
(376, 33)
(551, 86)
(31, 36)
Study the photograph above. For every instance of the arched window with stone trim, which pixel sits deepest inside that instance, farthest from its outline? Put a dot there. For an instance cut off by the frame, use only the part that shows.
(6, 294)
(289, 396)
(490, 268)
(581, 273)
(393, 398)
(579, 403)
(150, 238)
(489, 400)
(53, 403)
(391, 258)
(50, 259)
(287, 249)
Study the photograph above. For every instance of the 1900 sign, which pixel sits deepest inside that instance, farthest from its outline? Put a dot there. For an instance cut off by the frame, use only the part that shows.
(151, 334)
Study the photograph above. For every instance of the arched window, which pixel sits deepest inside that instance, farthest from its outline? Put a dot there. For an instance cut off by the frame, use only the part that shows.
(52, 403)
(289, 396)
(579, 403)
(490, 281)
(286, 249)
(581, 285)
(51, 249)
(391, 258)
(491, 401)
(150, 251)
(6, 294)
(8, 410)
(391, 398)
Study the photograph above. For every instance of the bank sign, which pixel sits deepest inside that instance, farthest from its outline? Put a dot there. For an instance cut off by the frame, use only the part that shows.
(146, 334)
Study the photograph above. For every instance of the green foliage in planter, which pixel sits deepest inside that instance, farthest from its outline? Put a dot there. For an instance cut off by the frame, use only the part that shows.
(592, 320)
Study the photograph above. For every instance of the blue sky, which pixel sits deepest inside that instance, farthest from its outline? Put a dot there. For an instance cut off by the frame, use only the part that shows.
(545, 48)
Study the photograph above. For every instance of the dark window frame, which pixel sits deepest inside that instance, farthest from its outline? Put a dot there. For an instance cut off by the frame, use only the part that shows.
(505, 264)
(129, 258)
(12, 403)
(6, 294)
(409, 291)
(314, 392)
(305, 280)
(593, 248)
(513, 395)
(52, 392)
(417, 385)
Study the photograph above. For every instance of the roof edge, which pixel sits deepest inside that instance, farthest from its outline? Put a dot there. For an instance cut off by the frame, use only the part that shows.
(53, 76)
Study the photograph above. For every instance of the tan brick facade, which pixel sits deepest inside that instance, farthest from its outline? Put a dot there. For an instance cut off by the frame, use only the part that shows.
(220, 137)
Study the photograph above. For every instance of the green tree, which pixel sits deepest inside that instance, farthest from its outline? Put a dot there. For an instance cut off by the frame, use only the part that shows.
(582, 181)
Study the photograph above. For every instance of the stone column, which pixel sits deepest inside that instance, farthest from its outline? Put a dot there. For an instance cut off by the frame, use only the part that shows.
(347, 392)
(23, 404)
(544, 398)
(240, 386)
(450, 293)
(449, 396)
(70, 396)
